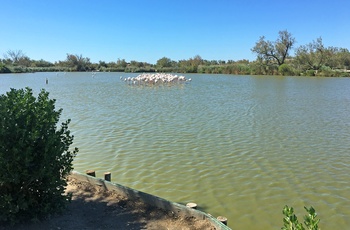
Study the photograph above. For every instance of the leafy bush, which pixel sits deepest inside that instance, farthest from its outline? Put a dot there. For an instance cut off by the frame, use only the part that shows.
(18, 69)
(34, 156)
(291, 222)
(286, 70)
(310, 72)
(4, 69)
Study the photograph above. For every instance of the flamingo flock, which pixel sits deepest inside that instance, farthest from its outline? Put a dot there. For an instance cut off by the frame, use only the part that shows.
(155, 79)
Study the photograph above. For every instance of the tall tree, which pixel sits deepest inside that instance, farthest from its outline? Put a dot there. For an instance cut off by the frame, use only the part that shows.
(312, 55)
(122, 63)
(164, 62)
(78, 62)
(339, 58)
(274, 52)
(15, 56)
(196, 60)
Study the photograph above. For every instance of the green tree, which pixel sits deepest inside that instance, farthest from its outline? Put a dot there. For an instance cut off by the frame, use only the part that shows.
(17, 58)
(339, 58)
(136, 64)
(102, 64)
(24, 61)
(196, 61)
(35, 158)
(274, 52)
(78, 62)
(344, 58)
(122, 63)
(312, 56)
(164, 62)
(14, 56)
(191, 65)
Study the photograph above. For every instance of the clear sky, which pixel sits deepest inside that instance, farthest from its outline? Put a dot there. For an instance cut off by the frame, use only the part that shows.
(147, 30)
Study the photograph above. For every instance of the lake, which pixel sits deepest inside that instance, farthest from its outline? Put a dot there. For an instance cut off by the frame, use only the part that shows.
(239, 146)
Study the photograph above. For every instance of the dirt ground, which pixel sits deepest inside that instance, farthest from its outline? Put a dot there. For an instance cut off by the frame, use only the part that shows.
(93, 208)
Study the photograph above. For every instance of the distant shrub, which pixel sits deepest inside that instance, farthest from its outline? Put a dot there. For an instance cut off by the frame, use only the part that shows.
(4, 69)
(310, 72)
(326, 71)
(18, 69)
(133, 69)
(34, 156)
(286, 70)
(47, 69)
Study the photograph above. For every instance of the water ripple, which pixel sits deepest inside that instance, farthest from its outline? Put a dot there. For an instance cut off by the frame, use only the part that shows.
(239, 146)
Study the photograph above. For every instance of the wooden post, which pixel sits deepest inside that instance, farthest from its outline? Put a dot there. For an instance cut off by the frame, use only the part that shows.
(191, 205)
(91, 173)
(222, 219)
(107, 176)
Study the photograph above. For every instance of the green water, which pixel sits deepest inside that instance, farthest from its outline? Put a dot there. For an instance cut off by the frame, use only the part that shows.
(238, 146)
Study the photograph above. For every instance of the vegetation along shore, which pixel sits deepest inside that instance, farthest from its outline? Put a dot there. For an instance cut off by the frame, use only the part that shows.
(272, 58)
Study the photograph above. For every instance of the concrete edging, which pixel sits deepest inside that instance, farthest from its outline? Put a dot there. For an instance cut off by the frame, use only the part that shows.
(149, 199)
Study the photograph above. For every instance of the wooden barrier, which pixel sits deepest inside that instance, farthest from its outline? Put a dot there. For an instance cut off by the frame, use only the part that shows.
(222, 219)
(91, 173)
(107, 176)
(153, 200)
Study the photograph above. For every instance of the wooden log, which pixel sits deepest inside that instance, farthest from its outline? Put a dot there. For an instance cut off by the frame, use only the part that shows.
(191, 205)
(222, 219)
(107, 176)
(91, 173)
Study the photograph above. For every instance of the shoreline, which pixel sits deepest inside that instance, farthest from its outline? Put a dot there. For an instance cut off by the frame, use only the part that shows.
(99, 204)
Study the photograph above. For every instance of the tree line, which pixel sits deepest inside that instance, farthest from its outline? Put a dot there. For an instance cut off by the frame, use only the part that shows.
(312, 59)
(272, 58)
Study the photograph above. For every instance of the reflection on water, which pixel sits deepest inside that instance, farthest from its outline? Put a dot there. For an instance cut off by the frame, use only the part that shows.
(239, 146)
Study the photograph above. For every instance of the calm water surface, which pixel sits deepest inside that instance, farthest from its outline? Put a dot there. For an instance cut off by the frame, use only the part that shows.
(238, 146)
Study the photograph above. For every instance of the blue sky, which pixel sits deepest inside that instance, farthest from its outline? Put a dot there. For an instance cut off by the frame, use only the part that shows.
(179, 29)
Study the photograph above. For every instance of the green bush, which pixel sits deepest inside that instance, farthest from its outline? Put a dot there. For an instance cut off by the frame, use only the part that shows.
(4, 69)
(34, 157)
(286, 70)
(310, 72)
(290, 221)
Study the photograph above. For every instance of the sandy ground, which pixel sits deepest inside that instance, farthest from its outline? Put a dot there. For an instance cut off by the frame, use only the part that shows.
(93, 208)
